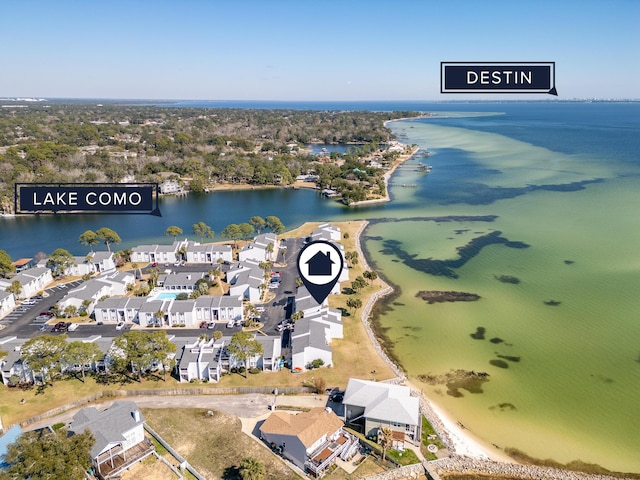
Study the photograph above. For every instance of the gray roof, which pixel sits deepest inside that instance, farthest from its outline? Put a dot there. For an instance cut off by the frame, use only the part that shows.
(207, 301)
(265, 239)
(183, 306)
(108, 426)
(121, 303)
(99, 256)
(87, 290)
(4, 294)
(316, 337)
(182, 278)
(382, 401)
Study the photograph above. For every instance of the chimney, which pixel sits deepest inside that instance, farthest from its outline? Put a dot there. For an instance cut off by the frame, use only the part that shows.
(136, 415)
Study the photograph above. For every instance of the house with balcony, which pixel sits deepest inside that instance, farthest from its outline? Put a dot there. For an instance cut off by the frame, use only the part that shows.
(371, 406)
(245, 279)
(119, 437)
(310, 440)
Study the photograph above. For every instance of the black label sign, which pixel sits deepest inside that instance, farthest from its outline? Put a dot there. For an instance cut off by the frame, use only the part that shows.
(138, 198)
(499, 77)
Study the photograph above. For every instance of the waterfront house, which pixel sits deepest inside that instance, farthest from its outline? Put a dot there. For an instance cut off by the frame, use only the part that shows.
(7, 302)
(170, 186)
(311, 440)
(181, 313)
(119, 436)
(158, 253)
(371, 406)
(327, 232)
(31, 281)
(104, 262)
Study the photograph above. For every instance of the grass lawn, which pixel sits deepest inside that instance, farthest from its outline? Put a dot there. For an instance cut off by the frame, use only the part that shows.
(427, 430)
(366, 469)
(214, 445)
(408, 457)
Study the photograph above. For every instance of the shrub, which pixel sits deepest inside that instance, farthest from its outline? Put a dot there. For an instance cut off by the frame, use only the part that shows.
(254, 370)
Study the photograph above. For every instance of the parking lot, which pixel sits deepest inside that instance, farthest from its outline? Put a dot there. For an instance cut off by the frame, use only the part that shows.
(22, 321)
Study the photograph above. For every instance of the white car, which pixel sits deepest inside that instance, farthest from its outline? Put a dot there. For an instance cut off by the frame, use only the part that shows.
(73, 327)
(29, 301)
(231, 323)
(177, 264)
(120, 326)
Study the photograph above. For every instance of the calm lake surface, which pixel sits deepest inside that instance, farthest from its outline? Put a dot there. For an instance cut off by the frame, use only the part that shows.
(544, 195)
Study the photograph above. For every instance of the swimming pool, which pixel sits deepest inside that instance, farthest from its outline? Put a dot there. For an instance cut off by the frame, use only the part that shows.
(166, 296)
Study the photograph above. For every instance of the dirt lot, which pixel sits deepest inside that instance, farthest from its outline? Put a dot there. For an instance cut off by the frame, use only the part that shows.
(214, 445)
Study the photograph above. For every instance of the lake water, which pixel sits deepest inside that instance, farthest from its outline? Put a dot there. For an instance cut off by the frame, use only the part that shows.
(542, 193)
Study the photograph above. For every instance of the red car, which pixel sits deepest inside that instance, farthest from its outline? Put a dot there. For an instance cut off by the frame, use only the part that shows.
(203, 324)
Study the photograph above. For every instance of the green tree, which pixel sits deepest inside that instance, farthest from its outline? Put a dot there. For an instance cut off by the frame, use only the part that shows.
(81, 353)
(370, 275)
(252, 469)
(59, 261)
(269, 249)
(232, 232)
(89, 238)
(42, 354)
(15, 288)
(354, 303)
(108, 236)
(243, 346)
(70, 311)
(6, 265)
(297, 316)
(246, 230)
(274, 224)
(203, 230)
(173, 231)
(44, 455)
(358, 284)
(258, 223)
(139, 351)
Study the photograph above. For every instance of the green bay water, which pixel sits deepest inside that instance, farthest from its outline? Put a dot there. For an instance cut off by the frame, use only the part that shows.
(564, 375)
(560, 178)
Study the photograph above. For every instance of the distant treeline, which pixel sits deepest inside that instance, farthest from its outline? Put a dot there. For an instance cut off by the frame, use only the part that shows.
(111, 143)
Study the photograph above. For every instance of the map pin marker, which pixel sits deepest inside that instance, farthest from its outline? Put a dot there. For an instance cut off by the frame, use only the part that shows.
(319, 265)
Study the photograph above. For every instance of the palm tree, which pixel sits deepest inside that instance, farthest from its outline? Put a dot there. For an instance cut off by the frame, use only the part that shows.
(384, 438)
(252, 469)
(15, 288)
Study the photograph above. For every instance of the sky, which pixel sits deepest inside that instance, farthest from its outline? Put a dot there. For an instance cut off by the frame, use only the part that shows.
(308, 50)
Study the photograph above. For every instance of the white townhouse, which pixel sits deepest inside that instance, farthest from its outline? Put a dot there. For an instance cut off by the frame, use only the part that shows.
(90, 291)
(81, 266)
(244, 279)
(312, 334)
(208, 254)
(170, 186)
(153, 312)
(158, 253)
(259, 249)
(119, 281)
(181, 313)
(7, 302)
(219, 308)
(118, 309)
(206, 359)
(179, 281)
(104, 262)
(31, 281)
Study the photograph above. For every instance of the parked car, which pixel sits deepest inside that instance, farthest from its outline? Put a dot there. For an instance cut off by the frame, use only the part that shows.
(260, 309)
(28, 301)
(337, 397)
(59, 327)
(154, 264)
(231, 324)
(203, 324)
(177, 264)
(211, 326)
(73, 327)
(120, 326)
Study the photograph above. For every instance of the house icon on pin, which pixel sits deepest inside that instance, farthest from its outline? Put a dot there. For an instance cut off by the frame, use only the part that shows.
(320, 264)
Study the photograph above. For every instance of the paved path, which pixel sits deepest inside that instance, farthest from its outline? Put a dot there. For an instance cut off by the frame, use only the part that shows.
(244, 406)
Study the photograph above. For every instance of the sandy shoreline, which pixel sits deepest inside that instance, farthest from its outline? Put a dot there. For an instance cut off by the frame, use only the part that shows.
(458, 440)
